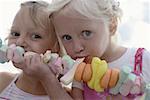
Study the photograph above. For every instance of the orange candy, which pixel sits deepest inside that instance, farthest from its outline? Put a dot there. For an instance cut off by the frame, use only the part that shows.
(87, 74)
(84, 72)
(114, 77)
(105, 79)
(79, 71)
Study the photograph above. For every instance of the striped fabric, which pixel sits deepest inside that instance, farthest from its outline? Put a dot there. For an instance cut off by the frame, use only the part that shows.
(12, 92)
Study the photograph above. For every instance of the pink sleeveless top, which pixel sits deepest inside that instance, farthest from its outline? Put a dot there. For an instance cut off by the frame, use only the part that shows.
(12, 92)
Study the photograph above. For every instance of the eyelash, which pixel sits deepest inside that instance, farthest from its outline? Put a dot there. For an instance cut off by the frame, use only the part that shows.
(16, 34)
(64, 37)
(36, 36)
(33, 36)
(86, 33)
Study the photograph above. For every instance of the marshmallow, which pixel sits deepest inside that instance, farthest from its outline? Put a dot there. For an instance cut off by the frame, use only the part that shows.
(18, 56)
(68, 77)
(122, 77)
(127, 84)
(67, 62)
(3, 57)
(53, 57)
(3, 50)
(47, 56)
(0, 42)
(58, 66)
(136, 89)
(20, 50)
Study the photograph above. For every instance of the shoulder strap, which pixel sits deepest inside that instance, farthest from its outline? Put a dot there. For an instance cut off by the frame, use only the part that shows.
(138, 61)
(10, 84)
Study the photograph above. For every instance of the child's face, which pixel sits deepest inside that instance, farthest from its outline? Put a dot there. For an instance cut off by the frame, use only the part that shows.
(24, 33)
(82, 36)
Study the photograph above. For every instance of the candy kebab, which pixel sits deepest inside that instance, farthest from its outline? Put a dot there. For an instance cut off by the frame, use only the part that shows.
(98, 77)
(92, 71)
(61, 65)
(96, 74)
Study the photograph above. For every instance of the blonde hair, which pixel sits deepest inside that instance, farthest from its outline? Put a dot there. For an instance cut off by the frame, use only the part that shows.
(39, 14)
(35, 7)
(104, 9)
(93, 9)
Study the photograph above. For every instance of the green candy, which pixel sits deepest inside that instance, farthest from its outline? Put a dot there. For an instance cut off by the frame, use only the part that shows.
(3, 57)
(69, 61)
(0, 42)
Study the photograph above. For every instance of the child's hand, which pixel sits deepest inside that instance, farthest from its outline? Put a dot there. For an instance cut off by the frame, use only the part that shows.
(35, 67)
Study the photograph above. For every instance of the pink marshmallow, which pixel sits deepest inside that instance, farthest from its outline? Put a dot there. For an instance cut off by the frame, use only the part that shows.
(136, 89)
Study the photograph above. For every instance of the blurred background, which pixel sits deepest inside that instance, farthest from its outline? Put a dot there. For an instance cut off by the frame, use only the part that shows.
(133, 30)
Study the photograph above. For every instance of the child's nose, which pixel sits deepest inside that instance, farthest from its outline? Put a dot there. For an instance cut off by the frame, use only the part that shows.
(78, 47)
(21, 41)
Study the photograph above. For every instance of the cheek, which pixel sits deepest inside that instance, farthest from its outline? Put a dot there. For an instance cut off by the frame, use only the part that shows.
(11, 41)
(97, 47)
(47, 43)
(38, 47)
(96, 50)
(69, 48)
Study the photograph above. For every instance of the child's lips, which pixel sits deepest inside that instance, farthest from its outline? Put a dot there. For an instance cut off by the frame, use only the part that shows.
(80, 57)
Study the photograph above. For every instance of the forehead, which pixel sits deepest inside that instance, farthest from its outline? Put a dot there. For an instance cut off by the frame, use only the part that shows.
(38, 21)
(70, 13)
(72, 20)
(23, 17)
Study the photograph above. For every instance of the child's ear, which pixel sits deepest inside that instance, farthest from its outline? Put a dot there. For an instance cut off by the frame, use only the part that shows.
(113, 25)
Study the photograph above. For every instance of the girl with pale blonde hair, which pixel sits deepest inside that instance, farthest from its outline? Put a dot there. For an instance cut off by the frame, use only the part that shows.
(86, 28)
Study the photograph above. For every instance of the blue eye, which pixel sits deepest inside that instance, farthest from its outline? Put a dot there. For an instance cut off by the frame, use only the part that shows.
(15, 34)
(36, 36)
(66, 37)
(86, 33)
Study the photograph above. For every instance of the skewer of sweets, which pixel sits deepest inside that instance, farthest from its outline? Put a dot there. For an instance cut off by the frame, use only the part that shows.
(96, 74)
(91, 70)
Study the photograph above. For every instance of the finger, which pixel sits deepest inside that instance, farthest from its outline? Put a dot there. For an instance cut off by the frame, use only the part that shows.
(10, 51)
(36, 58)
(20, 65)
(27, 60)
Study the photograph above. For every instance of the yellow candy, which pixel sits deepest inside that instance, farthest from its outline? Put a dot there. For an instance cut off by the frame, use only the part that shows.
(102, 68)
(98, 68)
(94, 64)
